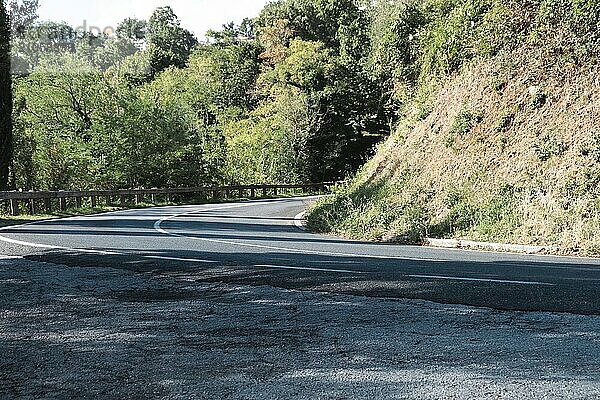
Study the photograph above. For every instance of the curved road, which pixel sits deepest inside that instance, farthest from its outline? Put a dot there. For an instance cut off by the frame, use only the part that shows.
(259, 243)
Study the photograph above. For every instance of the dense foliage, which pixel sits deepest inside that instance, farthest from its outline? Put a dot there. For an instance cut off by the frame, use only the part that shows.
(492, 100)
(286, 97)
(303, 92)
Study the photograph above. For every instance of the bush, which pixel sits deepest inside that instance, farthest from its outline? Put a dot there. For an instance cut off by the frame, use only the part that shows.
(504, 122)
(548, 146)
(464, 122)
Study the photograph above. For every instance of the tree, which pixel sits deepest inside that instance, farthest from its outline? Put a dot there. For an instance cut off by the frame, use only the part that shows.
(133, 29)
(341, 25)
(40, 41)
(22, 15)
(6, 145)
(168, 43)
(232, 33)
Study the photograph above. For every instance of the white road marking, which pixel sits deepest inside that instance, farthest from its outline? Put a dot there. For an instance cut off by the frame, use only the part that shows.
(299, 221)
(456, 278)
(158, 228)
(51, 247)
(340, 271)
(10, 257)
(192, 260)
(115, 253)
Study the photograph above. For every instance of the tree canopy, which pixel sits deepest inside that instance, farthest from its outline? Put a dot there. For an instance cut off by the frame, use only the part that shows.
(291, 96)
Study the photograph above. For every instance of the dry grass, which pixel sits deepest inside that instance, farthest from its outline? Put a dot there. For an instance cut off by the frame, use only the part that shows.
(536, 134)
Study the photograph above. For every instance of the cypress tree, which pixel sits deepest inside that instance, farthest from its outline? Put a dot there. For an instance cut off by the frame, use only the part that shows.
(6, 140)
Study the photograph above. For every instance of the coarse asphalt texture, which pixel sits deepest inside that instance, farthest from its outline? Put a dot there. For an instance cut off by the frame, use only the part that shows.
(235, 301)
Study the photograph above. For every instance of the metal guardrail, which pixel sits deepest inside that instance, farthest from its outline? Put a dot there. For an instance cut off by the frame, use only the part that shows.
(34, 202)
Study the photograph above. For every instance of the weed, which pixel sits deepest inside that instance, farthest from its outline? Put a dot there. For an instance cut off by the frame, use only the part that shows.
(504, 122)
(592, 147)
(463, 124)
(465, 121)
(538, 99)
(424, 111)
(499, 84)
(503, 142)
(548, 146)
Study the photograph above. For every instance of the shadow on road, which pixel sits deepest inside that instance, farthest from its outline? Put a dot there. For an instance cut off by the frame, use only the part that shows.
(571, 288)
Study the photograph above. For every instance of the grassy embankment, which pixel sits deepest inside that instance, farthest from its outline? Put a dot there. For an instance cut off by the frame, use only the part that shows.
(499, 138)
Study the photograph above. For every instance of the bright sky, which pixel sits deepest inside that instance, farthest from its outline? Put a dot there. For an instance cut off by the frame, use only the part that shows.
(196, 15)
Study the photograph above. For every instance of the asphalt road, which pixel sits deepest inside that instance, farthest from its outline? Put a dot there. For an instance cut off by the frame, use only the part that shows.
(259, 243)
(234, 301)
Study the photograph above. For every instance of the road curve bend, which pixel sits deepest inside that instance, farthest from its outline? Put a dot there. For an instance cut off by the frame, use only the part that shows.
(259, 243)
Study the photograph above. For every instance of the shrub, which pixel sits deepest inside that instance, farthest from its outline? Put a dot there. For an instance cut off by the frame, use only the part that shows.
(538, 98)
(548, 146)
(504, 122)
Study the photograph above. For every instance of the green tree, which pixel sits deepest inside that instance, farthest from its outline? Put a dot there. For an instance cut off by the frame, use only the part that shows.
(133, 29)
(341, 25)
(232, 33)
(168, 43)
(40, 41)
(6, 101)
(23, 13)
(226, 76)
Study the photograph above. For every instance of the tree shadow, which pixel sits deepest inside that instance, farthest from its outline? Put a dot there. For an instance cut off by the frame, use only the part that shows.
(502, 285)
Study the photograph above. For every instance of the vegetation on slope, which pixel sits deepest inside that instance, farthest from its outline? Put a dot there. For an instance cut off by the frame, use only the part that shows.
(498, 135)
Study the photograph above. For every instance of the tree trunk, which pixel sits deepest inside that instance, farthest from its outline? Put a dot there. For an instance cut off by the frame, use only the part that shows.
(6, 139)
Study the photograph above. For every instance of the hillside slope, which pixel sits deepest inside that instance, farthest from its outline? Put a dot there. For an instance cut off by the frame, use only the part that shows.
(505, 149)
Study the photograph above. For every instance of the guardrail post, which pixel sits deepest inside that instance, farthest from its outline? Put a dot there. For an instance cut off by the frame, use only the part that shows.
(47, 205)
(94, 201)
(264, 191)
(14, 207)
(241, 193)
(123, 200)
(31, 206)
(153, 198)
(63, 204)
(252, 193)
(275, 191)
(78, 202)
(139, 199)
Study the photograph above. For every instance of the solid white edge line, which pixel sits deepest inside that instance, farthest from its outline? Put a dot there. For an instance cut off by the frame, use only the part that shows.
(457, 278)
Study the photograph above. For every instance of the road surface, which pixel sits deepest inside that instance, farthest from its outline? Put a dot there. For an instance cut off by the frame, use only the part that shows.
(236, 301)
(259, 243)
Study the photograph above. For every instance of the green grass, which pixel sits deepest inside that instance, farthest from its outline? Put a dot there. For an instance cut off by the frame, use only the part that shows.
(374, 211)
(463, 124)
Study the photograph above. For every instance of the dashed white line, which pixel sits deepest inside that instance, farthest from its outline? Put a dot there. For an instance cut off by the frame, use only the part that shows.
(340, 271)
(458, 278)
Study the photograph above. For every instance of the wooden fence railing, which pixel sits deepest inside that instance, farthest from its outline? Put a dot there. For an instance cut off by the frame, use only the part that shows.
(37, 202)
